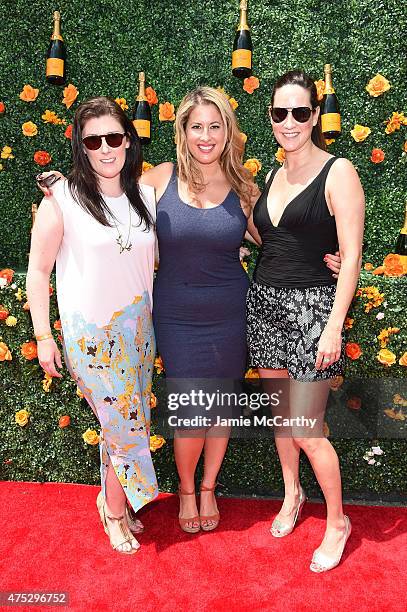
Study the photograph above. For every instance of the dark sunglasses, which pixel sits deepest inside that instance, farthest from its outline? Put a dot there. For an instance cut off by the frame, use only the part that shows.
(95, 142)
(299, 113)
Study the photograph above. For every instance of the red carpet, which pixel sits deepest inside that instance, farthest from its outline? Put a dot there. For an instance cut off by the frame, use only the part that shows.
(51, 540)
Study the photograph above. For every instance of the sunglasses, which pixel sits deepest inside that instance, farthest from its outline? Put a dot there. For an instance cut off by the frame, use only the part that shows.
(301, 114)
(95, 142)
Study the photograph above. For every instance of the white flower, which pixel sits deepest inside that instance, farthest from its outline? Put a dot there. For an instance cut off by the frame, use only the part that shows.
(377, 450)
(384, 304)
(370, 453)
(13, 286)
(380, 316)
(378, 463)
(372, 461)
(3, 283)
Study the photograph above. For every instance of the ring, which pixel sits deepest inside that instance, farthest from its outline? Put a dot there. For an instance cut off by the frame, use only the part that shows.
(327, 359)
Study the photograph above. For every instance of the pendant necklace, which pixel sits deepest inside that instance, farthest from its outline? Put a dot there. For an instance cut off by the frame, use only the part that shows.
(127, 245)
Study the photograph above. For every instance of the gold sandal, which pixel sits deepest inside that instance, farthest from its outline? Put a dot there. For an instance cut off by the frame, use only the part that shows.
(215, 518)
(183, 522)
(135, 525)
(126, 534)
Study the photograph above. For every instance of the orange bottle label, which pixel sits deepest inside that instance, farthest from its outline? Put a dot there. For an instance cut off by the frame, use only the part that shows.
(331, 122)
(241, 58)
(55, 67)
(143, 128)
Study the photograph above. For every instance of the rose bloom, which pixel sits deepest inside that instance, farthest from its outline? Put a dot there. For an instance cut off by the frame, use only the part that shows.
(29, 350)
(329, 141)
(233, 103)
(29, 94)
(395, 122)
(386, 357)
(146, 166)
(42, 158)
(250, 84)
(360, 132)
(91, 437)
(57, 324)
(377, 156)
(5, 353)
(2, 108)
(320, 85)
(378, 270)
(280, 155)
(64, 421)
(403, 359)
(122, 102)
(354, 403)
(167, 112)
(253, 165)
(21, 417)
(349, 323)
(159, 365)
(4, 313)
(29, 129)
(8, 274)
(368, 266)
(153, 400)
(353, 350)
(151, 96)
(156, 442)
(70, 95)
(68, 131)
(377, 86)
(393, 265)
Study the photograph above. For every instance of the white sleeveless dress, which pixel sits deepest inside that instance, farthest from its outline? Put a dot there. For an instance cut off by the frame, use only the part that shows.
(105, 303)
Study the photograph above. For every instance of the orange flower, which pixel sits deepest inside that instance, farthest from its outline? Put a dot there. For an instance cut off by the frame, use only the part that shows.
(320, 85)
(64, 421)
(233, 103)
(353, 350)
(70, 95)
(68, 131)
(377, 86)
(252, 373)
(377, 156)
(395, 122)
(254, 165)
(158, 364)
(4, 313)
(29, 94)
(378, 270)
(146, 166)
(354, 403)
(386, 357)
(57, 325)
(280, 155)
(336, 382)
(153, 400)
(349, 323)
(250, 84)
(393, 265)
(50, 290)
(2, 108)
(42, 158)
(368, 266)
(29, 129)
(52, 117)
(5, 354)
(403, 359)
(151, 96)
(167, 112)
(156, 442)
(360, 132)
(122, 102)
(29, 350)
(8, 274)
(329, 141)
(26, 306)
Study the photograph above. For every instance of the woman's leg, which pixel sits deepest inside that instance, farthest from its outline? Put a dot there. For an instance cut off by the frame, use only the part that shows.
(216, 443)
(187, 451)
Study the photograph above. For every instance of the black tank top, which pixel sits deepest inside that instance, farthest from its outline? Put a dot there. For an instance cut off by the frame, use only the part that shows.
(292, 252)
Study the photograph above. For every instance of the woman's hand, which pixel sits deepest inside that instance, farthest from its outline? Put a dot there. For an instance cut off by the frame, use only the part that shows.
(243, 252)
(329, 348)
(47, 191)
(333, 262)
(49, 357)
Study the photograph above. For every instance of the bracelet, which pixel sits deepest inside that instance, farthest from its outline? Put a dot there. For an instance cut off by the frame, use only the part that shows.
(44, 337)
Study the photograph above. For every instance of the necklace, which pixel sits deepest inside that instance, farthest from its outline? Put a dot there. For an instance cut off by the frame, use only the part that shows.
(127, 245)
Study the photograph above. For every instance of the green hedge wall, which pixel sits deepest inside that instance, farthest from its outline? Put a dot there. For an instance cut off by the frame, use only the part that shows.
(180, 45)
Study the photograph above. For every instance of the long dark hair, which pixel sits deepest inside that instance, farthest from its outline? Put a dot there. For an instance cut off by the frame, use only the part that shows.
(298, 77)
(83, 180)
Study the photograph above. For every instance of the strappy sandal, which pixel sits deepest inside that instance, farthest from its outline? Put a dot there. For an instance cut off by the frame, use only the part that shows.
(183, 522)
(214, 518)
(135, 525)
(126, 534)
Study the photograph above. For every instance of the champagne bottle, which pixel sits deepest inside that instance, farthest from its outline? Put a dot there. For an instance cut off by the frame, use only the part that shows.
(242, 46)
(401, 244)
(56, 55)
(330, 116)
(142, 113)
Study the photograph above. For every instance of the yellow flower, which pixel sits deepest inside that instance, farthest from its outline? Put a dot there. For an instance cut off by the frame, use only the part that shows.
(156, 442)
(29, 129)
(122, 102)
(254, 165)
(11, 321)
(19, 295)
(320, 85)
(403, 360)
(91, 437)
(79, 393)
(146, 166)
(52, 117)
(368, 266)
(329, 141)
(244, 265)
(166, 112)
(28, 93)
(384, 335)
(6, 153)
(280, 155)
(233, 103)
(360, 132)
(386, 357)
(5, 353)
(377, 86)
(244, 137)
(252, 373)
(22, 417)
(395, 122)
(47, 382)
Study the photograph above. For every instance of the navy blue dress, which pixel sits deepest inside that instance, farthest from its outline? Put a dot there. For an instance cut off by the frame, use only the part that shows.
(200, 290)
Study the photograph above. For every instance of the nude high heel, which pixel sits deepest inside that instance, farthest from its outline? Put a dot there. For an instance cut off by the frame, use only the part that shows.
(126, 537)
(321, 563)
(279, 529)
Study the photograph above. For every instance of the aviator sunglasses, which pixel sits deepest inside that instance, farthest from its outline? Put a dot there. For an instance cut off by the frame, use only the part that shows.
(301, 114)
(95, 142)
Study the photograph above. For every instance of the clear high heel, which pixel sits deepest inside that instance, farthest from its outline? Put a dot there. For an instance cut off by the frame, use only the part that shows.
(135, 525)
(125, 534)
(279, 529)
(322, 563)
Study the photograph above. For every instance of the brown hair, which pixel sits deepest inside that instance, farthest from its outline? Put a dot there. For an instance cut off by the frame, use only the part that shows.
(298, 77)
(83, 180)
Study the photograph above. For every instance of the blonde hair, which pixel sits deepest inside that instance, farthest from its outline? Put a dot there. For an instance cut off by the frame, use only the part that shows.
(239, 177)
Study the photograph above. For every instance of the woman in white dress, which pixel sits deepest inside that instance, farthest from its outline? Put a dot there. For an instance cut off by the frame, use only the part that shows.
(98, 225)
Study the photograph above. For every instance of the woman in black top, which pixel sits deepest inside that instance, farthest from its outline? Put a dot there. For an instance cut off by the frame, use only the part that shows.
(296, 309)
